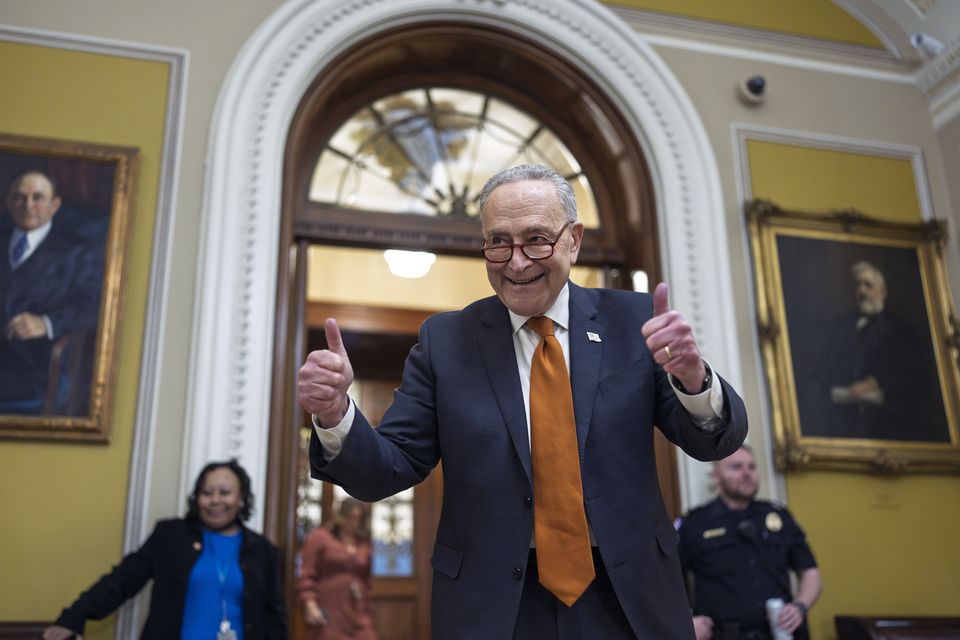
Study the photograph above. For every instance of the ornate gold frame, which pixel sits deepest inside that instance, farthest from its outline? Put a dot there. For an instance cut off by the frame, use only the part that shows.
(767, 223)
(95, 425)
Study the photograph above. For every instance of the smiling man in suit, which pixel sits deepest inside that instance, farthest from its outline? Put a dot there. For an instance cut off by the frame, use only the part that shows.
(541, 402)
(50, 285)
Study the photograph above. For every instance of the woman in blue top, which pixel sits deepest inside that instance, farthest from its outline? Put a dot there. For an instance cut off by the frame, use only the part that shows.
(214, 579)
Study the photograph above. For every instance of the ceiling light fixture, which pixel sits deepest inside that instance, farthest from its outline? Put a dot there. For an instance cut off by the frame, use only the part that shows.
(409, 264)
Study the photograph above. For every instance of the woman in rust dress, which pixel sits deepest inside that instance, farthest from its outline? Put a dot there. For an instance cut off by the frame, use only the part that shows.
(334, 583)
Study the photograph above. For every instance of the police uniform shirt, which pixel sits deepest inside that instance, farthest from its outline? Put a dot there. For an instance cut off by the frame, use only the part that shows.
(739, 559)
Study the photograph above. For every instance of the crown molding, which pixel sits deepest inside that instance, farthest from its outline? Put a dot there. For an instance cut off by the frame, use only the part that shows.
(939, 79)
(685, 31)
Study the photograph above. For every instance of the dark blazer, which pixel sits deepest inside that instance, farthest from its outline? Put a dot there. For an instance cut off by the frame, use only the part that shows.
(168, 557)
(461, 401)
(889, 350)
(62, 279)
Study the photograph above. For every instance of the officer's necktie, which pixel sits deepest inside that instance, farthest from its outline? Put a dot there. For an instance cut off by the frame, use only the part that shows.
(564, 560)
(18, 250)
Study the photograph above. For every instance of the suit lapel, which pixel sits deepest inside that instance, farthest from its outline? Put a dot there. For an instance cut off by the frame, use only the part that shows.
(500, 362)
(585, 358)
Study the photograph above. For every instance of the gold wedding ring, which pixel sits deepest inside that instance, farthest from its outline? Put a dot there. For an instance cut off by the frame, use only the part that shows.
(666, 350)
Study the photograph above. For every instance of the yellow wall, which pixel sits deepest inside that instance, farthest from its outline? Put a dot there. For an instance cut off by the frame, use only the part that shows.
(814, 18)
(808, 179)
(64, 504)
(885, 544)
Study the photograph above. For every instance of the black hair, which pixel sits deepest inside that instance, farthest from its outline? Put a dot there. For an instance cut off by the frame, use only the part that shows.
(54, 188)
(246, 495)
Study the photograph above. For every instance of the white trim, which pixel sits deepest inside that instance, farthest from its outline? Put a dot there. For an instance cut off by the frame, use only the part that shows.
(741, 134)
(940, 68)
(809, 64)
(939, 80)
(945, 103)
(136, 522)
(683, 27)
(231, 357)
(872, 24)
(91, 44)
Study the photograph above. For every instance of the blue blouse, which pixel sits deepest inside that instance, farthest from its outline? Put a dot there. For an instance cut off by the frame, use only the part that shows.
(215, 582)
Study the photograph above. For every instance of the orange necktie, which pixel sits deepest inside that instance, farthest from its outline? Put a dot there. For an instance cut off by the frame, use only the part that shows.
(564, 560)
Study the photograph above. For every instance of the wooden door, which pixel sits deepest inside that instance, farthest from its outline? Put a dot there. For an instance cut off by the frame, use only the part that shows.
(377, 341)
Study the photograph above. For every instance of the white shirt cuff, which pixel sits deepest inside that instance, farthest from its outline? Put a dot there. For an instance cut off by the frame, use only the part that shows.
(705, 408)
(331, 440)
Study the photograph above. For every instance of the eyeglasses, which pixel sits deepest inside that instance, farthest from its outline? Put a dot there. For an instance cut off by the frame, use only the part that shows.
(540, 250)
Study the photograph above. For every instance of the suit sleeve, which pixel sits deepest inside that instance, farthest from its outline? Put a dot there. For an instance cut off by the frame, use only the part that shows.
(376, 463)
(81, 307)
(677, 425)
(112, 589)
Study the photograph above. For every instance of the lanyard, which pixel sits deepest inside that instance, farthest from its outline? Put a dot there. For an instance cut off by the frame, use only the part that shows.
(225, 632)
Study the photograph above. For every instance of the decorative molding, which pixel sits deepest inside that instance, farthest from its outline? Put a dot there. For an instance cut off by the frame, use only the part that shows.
(855, 9)
(940, 68)
(939, 79)
(945, 103)
(231, 359)
(136, 524)
(921, 7)
(898, 76)
(692, 31)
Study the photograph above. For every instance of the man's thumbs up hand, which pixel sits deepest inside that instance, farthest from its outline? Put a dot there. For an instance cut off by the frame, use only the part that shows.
(324, 378)
(671, 341)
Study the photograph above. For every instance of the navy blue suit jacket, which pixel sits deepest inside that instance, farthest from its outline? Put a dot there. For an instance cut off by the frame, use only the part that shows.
(460, 401)
(62, 279)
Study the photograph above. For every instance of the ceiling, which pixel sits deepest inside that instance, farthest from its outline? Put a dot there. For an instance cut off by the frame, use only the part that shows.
(875, 24)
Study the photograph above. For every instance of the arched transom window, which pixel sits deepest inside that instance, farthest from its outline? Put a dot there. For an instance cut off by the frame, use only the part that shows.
(429, 150)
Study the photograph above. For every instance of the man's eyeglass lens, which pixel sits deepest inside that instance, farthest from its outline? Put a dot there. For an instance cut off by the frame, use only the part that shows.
(534, 251)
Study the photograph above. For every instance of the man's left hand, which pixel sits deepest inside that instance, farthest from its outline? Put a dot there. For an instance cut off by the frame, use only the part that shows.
(670, 340)
(791, 617)
(26, 326)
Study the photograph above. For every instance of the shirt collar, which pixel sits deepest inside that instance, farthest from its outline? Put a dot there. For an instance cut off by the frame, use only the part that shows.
(34, 237)
(559, 312)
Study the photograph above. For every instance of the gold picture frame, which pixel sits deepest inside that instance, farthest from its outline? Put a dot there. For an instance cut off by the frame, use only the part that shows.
(860, 340)
(57, 383)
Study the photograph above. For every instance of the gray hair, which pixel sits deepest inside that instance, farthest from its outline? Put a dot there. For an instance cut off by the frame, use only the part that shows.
(862, 266)
(524, 172)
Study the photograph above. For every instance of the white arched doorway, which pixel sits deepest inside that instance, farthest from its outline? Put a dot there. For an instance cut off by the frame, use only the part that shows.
(230, 376)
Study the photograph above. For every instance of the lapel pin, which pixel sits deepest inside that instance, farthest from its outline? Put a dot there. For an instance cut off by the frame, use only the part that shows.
(593, 337)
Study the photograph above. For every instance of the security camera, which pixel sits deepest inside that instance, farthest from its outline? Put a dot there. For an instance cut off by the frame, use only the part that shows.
(928, 46)
(752, 89)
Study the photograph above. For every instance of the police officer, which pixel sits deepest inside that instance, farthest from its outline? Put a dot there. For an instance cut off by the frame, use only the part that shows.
(738, 552)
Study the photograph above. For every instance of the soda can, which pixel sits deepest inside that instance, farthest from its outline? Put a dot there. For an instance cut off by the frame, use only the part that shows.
(774, 607)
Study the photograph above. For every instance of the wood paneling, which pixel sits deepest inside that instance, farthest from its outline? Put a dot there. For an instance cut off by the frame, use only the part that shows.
(22, 630)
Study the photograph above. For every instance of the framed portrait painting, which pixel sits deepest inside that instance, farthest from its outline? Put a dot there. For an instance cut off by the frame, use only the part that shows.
(859, 338)
(63, 245)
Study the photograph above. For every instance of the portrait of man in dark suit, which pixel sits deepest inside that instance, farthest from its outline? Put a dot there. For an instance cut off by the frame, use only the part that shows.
(50, 283)
(862, 349)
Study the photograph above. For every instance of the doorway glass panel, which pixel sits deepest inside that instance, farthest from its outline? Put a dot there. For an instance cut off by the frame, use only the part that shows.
(428, 151)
